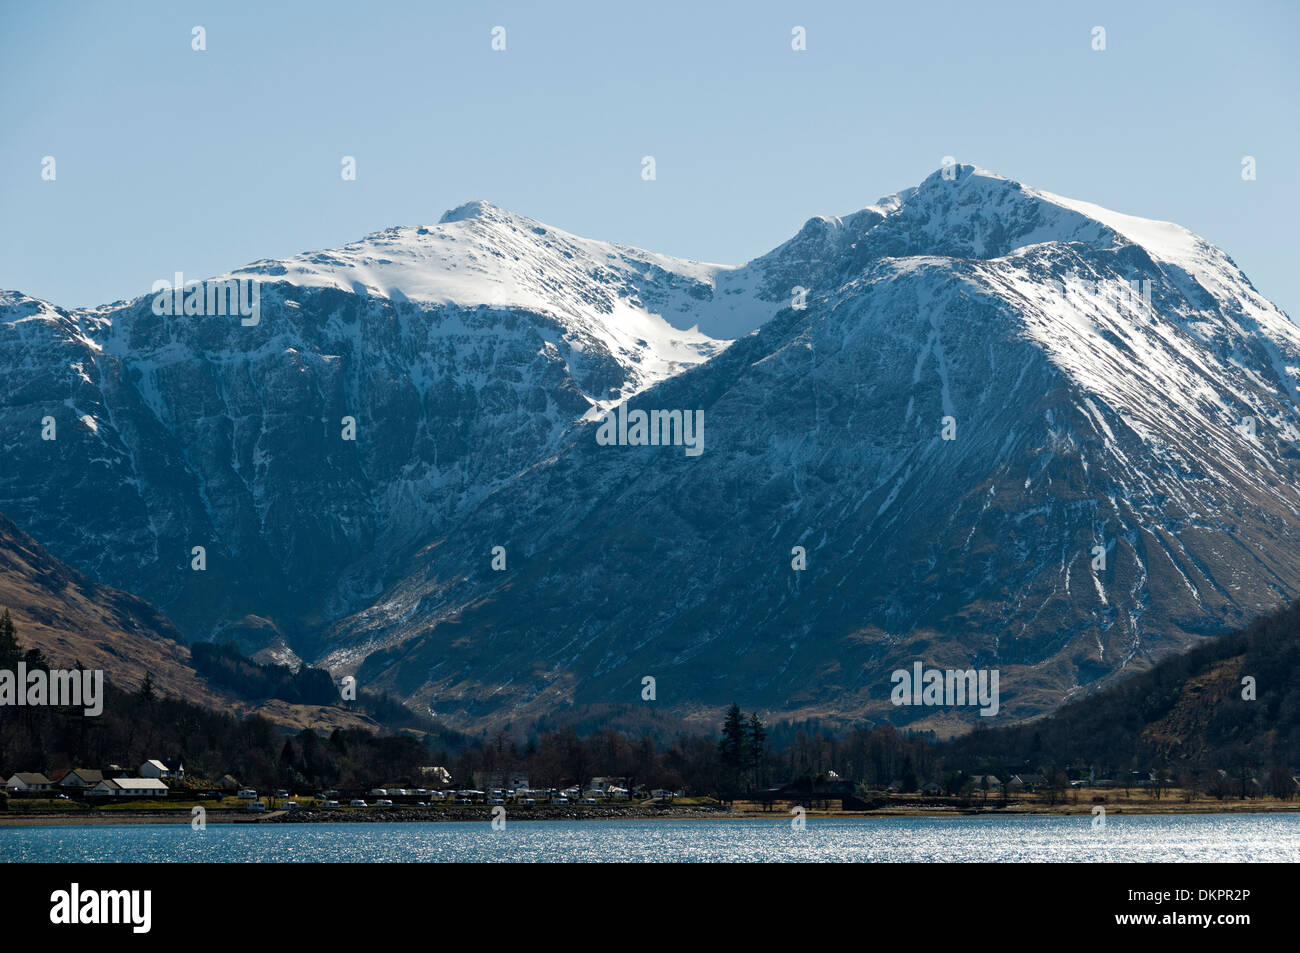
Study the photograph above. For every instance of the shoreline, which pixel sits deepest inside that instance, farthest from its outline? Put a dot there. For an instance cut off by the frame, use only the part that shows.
(182, 816)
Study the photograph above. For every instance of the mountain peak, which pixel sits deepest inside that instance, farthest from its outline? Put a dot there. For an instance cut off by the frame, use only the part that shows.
(475, 209)
(961, 172)
(965, 211)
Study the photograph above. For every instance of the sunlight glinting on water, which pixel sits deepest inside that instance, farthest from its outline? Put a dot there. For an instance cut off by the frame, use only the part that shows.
(1229, 838)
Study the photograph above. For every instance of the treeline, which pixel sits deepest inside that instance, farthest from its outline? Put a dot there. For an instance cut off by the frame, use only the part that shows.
(135, 727)
(11, 652)
(1224, 717)
(1231, 704)
(742, 760)
(226, 667)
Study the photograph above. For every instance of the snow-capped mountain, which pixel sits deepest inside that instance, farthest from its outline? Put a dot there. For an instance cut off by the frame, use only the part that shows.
(643, 306)
(463, 351)
(1083, 416)
(1120, 478)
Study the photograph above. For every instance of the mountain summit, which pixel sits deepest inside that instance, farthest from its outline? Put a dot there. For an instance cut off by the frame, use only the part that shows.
(479, 255)
(974, 424)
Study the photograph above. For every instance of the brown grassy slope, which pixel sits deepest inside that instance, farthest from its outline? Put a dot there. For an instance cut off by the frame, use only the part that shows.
(72, 619)
(1182, 733)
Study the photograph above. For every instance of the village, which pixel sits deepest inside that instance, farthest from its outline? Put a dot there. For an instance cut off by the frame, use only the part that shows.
(158, 779)
(161, 788)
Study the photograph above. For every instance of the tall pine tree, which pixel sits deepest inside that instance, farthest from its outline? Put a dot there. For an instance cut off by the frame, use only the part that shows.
(733, 747)
(10, 651)
(756, 739)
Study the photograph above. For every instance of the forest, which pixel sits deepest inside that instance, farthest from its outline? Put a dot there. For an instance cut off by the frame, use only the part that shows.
(1223, 716)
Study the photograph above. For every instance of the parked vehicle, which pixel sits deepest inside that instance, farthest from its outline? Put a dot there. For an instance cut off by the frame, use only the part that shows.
(357, 802)
(257, 806)
(383, 802)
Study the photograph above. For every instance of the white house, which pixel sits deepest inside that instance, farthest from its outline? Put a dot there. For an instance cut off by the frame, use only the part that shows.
(141, 787)
(153, 769)
(28, 781)
(130, 787)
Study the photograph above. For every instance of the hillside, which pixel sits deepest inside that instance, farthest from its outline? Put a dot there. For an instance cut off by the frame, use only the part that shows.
(1186, 712)
(72, 620)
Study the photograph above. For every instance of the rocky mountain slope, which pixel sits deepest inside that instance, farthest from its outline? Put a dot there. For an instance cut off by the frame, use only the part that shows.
(1083, 416)
(71, 619)
(1121, 478)
(74, 621)
(1230, 705)
(464, 352)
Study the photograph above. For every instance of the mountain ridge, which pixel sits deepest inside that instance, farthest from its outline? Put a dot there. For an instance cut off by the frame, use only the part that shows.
(1096, 385)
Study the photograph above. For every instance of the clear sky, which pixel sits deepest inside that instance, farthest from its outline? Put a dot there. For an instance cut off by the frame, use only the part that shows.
(168, 159)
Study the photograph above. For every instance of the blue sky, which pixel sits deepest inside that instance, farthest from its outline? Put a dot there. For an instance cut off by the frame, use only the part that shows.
(172, 160)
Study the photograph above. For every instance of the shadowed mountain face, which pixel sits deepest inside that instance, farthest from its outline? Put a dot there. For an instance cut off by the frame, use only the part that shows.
(76, 622)
(1008, 430)
(462, 353)
(72, 620)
